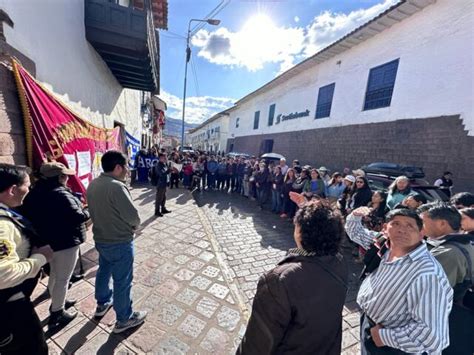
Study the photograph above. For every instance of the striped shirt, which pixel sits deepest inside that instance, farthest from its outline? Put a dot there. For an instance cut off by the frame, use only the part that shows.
(409, 296)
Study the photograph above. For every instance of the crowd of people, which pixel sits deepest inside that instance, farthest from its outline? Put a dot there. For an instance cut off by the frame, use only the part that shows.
(416, 294)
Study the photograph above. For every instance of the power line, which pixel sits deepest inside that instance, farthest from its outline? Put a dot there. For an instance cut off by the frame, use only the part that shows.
(213, 13)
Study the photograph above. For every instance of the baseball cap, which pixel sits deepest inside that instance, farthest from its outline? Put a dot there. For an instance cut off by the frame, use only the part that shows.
(54, 168)
(350, 178)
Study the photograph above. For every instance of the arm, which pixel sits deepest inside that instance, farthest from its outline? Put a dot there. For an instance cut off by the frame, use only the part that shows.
(71, 208)
(124, 205)
(428, 329)
(271, 315)
(14, 271)
(357, 233)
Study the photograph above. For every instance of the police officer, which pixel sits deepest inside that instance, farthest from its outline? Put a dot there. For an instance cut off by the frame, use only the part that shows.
(20, 263)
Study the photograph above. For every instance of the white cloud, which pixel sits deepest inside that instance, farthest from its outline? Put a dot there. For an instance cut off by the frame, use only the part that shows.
(260, 42)
(198, 108)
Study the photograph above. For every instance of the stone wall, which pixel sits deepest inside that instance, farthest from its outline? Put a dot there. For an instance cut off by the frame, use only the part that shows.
(436, 144)
(12, 134)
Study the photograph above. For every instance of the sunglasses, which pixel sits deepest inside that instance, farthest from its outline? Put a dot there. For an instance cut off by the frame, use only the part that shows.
(359, 182)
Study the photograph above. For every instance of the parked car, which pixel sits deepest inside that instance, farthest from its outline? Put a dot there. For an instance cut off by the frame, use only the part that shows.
(395, 170)
(187, 150)
(237, 154)
(272, 157)
(381, 182)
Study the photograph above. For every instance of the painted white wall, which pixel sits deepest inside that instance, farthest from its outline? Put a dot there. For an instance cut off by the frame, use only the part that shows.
(435, 76)
(52, 34)
(198, 139)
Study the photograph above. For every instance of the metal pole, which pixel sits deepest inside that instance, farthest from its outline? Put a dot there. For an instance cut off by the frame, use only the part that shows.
(188, 55)
(213, 22)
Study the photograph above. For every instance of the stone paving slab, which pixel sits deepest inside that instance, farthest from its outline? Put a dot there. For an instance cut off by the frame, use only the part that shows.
(177, 278)
(250, 242)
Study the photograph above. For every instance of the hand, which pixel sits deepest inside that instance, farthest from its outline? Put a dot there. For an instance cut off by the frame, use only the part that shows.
(361, 211)
(374, 332)
(45, 250)
(297, 198)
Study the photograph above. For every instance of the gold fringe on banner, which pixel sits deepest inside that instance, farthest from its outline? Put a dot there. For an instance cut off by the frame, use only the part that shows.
(26, 113)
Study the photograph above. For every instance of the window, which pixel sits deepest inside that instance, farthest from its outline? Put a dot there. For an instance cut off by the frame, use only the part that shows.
(323, 107)
(256, 119)
(237, 122)
(266, 146)
(271, 115)
(380, 85)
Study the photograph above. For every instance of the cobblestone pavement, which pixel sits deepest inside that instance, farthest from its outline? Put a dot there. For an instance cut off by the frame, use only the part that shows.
(192, 303)
(251, 242)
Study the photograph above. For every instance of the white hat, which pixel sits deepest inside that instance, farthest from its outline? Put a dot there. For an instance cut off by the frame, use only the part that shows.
(350, 178)
(358, 172)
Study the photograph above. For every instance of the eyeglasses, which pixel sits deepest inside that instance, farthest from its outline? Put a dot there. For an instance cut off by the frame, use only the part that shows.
(359, 182)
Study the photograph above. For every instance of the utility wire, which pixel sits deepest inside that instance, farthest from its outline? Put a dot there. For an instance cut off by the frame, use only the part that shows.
(213, 13)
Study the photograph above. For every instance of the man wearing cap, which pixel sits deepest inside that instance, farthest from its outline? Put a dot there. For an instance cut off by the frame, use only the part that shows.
(115, 221)
(20, 263)
(63, 226)
(323, 173)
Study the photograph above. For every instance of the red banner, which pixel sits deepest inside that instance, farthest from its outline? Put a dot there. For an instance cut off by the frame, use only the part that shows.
(54, 132)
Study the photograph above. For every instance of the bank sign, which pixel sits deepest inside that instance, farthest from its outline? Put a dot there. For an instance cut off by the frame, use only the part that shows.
(291, 116)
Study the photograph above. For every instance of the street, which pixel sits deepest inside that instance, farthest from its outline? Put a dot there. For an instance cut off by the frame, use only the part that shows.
(196, 272)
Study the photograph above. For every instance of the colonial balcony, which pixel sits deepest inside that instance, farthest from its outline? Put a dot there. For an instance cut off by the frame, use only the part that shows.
(125, 37)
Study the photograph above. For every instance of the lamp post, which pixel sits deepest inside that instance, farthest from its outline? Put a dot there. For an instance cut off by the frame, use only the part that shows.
(210, 21)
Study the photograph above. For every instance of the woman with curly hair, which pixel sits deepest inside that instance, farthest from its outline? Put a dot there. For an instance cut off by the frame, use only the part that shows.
(297, 307)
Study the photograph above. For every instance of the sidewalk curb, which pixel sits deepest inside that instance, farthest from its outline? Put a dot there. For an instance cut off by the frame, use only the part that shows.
(226, 271)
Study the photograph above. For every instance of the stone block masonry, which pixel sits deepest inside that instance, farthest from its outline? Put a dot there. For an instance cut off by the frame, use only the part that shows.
(436, 144)
(12, 135)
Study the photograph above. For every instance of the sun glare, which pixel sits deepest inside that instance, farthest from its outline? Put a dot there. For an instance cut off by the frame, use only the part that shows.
(258, 24)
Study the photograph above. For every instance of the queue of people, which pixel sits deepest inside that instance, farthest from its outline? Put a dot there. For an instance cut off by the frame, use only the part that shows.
(417, 285)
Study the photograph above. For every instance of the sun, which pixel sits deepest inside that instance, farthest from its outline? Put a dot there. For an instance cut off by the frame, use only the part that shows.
(259, 25)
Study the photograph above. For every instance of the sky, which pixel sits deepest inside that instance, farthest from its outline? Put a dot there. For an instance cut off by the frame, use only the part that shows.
(255, 41)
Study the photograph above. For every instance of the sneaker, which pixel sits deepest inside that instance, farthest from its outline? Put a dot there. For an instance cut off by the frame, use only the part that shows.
(61, 317)
(69, 303)
(102, 309)
(134, 321)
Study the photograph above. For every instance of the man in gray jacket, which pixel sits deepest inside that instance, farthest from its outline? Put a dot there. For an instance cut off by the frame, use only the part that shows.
(115, 220)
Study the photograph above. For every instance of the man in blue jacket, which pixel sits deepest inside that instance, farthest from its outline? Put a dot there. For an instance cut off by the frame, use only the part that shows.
(212, 172)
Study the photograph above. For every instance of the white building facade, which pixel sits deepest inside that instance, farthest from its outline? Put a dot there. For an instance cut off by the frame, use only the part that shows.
(397, 89)
(52, 35)
(211, 135)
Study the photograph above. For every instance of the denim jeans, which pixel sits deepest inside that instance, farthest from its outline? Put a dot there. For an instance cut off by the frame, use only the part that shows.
(261, 196)
(116, 261)
(276, 201)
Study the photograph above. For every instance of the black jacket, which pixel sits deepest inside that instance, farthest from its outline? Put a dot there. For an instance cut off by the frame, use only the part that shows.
(56, 214)
(298, 308)
(161, 172)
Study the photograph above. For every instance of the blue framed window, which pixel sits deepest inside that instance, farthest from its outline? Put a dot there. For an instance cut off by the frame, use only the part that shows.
(323, 107)
(380, 85)
(271, 114)
(256, 119)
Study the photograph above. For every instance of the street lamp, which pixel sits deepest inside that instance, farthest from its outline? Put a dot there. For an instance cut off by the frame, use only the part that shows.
(210, 21)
